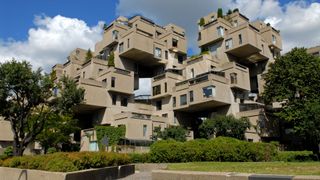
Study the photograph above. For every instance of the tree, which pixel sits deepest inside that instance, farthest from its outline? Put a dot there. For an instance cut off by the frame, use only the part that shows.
(294, 80)
(229, 12)
(111, 59)
(202, 22)
(177, 133)
(220, 13)
(25, 101)
(228, 126)
(89, 55)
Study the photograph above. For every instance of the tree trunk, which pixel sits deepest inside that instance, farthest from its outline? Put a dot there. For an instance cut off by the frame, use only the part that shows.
(18, 149)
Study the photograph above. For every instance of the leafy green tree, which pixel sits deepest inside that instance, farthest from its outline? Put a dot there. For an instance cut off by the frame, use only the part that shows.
(177, 133)
(220, 13)
(25, 101)
(227, 126)
(111, 59)
(89, 55)
(294, 80)
(202, 22)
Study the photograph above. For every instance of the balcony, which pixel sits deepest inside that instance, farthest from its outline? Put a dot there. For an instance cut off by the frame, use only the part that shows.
(162, 84)
(141, 47)
(238, 75)
(210, 33)
(209, 90)
(244, 42)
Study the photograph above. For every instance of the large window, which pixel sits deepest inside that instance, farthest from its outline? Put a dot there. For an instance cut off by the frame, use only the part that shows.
(159, 105)
(220, 31)
(121, 47)
(209, 91)
(233, 78)
(180, 58)
(156, 90)
(115, 34)
(274, 39)
(191, 96)
(113, 82)
(183, 99)
(157, 52)
(174, 101)
(124, 101)
(229, 43)
(114, 99)
(174, 42)
(144, 130)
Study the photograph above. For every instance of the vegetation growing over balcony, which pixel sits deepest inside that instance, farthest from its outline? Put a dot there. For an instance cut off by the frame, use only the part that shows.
(294, 79)
(220, 13)
(202, 22)
(111, 59)
(88, 55)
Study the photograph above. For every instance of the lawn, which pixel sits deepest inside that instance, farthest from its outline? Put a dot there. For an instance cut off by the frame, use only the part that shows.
(288, 168)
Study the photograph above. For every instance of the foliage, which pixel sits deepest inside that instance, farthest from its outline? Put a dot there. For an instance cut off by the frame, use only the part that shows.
(227, 126)
(140, 157)
(177, 133)
(294, 156)
(113, 133)
(294, 79)
(51, 150)
(25, 101)
(201, 22)
(66, 162)
(111, 59)
(229, 12)
(236, 10)
(8, 151)
(220, 13)
(89, 55)
(218, 149)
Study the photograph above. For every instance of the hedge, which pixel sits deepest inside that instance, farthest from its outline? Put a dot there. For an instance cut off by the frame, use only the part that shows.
(218, 149)
(66, 162)
(295, 156)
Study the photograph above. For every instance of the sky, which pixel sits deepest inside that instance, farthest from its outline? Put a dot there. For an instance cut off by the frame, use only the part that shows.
(45, 31)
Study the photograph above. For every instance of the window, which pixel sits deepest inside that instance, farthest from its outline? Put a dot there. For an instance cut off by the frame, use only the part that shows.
(220, 31)
(158, 105)
(100, 70)
(180, 59)
(274, 39)
(115, 34)
(235, 23)
(174, 42)
(192, 73)
(262, 48)
(165, 87)
(240, 39)
(175, 120)
(124, 101)
(114, 99)
(83, 74)
(183, 99)
(104, 81)
(233, 78)
(166, 54)
(229, 43)
(157, 52)
(174, 101)
(212, 18)
(156, 90)
(199, 36)
(144, 130)
(209, 91)
(165, 115)
(121, 47)
(191, 96)
(128, 43)
(113, 82)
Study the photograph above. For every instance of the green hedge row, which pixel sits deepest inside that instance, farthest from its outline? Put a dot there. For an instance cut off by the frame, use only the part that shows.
(218, 149)
(295, 156)
(66, 162)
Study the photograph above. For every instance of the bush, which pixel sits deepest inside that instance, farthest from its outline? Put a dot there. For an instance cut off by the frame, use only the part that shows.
(66, 162)
(8, 151)
(52, 150)
(295, 156)
(140, 158)
(218, 149)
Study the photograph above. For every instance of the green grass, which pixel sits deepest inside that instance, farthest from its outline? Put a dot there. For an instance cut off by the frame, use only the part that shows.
(287, 168)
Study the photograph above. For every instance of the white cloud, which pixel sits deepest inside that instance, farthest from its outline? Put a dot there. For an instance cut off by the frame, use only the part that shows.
(298, 21)
(51, 40)
(144, 87)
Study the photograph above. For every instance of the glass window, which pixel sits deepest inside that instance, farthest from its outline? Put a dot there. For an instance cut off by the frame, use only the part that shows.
(220, 31)
(83, 74)
(274, 39)
(156, 90)
(235, 23)
(165, 87)
(115, 34)
(240, 39)
(174, 101)
(174, 42)
(144, 130)
(124, 101)
(191, 96)
(159, 105)
(128, 44)
(209, 91)
(157, 52)
(104, 81)
(180, 59)
(121, 47)
(165, 115)
(183, 99)
(113, 82)
(114, 99)
(192, 73)
(229, 43)
(233, 78)
(166, 54)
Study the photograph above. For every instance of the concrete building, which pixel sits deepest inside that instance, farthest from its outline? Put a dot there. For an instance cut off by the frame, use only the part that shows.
(314, 51)
(226, 78)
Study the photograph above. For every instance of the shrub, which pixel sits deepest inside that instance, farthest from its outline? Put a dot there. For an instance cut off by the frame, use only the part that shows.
(52, 150)
(220, 13)
(140, 157)
(66, 162)
(218, 149)
(8, 151)
(295, 156)
(202, 22)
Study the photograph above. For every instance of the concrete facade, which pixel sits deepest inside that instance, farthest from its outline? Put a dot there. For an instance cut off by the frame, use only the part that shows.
(226, 78)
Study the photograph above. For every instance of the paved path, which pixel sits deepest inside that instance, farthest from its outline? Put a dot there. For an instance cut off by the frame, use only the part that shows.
(145, 175)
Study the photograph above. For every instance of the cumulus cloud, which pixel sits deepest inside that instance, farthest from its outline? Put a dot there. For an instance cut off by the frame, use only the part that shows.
(298, 21)
(51, 40)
